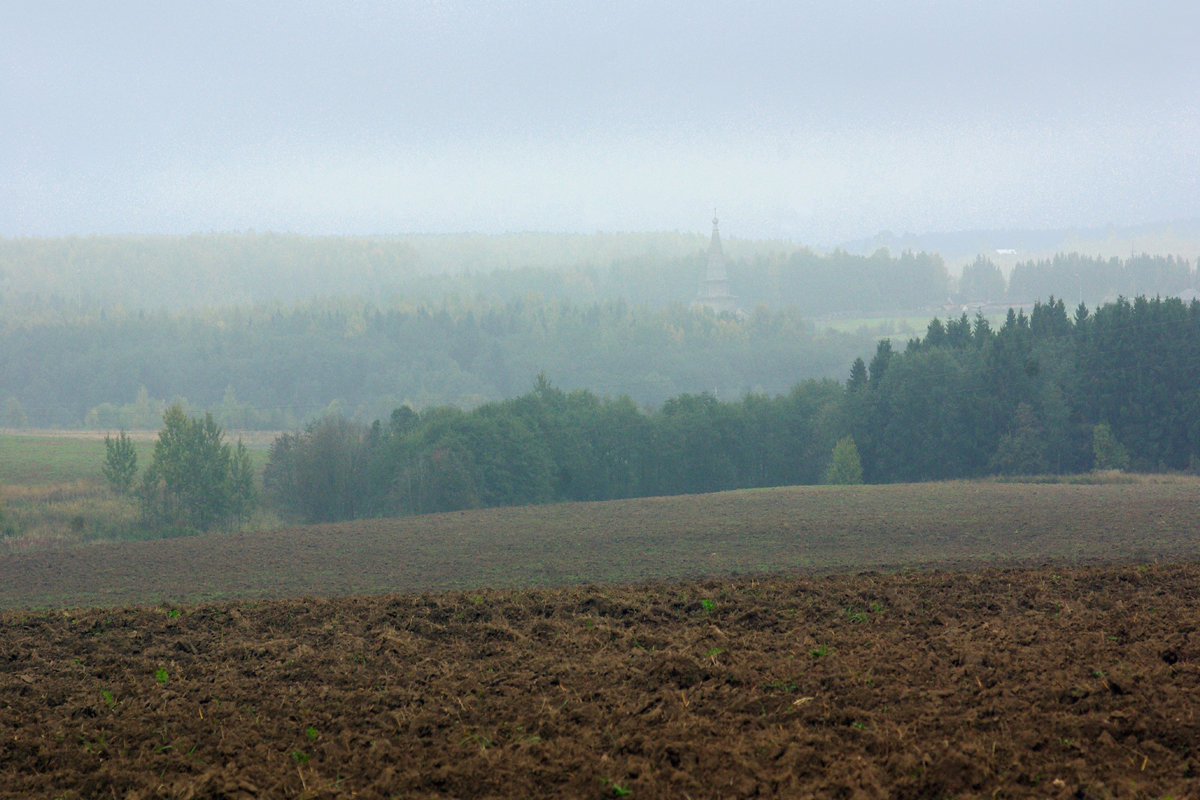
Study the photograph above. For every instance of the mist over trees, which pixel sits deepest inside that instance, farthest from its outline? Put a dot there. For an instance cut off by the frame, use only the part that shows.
(1083, 278)
(1047, 392)
(42, 279)
(210, 270)
(273, 368)
(408, 406)
(461, 320)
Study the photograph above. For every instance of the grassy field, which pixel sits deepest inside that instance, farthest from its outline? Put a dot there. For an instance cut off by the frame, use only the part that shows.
(784, 530)
(53, 492)
(56, 457)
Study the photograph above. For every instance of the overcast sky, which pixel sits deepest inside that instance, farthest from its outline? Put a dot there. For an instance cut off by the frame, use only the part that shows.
(817, 122)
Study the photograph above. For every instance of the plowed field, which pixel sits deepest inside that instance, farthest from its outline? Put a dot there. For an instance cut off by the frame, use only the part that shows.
(765, 531)
(984, 677)
(1080, 682)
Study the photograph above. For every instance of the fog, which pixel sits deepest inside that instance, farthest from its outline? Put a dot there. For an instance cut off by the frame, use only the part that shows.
(816, 122)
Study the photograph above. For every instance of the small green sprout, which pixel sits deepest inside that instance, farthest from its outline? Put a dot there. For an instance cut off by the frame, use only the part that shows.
(617, 789)
(161, 675)
(479, 739)
(311, 733)
(108, 698)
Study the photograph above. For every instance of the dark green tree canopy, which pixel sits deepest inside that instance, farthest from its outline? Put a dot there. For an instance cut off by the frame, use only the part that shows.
(195, 480)
(1045, 392)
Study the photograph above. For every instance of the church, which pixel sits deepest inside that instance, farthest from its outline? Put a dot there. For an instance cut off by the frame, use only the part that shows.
(714, 289)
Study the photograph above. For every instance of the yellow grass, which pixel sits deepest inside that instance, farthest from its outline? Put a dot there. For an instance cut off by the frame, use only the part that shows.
(63, 514)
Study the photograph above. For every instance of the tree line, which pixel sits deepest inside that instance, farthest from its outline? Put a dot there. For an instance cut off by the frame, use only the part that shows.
(966, 400)
(41, 278)
(1090, 278)
(274, 368)
(1047, 392)
(206, 270)
(548, 445)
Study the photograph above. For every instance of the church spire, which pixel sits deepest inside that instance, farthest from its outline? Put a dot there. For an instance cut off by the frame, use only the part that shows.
(716, 258)
(714, 291)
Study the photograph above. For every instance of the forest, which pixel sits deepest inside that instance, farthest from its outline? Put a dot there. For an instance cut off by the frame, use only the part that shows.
(45, 278)
(560, 376)
(271, 332)
(276, 368)
(1047, 392)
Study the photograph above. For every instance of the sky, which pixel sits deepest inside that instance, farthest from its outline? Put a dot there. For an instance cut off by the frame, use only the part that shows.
(817, 122)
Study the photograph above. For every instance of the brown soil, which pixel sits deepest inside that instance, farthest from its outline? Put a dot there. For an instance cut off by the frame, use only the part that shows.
(1079, 682)
(827, 529)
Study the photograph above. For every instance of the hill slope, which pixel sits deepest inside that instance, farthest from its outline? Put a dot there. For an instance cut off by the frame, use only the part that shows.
(821, 529)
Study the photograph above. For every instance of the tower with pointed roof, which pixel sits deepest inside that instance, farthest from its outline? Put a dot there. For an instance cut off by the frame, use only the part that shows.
(714, 291)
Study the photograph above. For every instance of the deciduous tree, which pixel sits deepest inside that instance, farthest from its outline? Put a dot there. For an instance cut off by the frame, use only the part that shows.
(1107, 451)
(845, 467)
(195, 480)
(120, 462)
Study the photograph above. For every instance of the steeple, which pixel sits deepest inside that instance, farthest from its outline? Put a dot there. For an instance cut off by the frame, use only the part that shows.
(716, 258)
(714, 289)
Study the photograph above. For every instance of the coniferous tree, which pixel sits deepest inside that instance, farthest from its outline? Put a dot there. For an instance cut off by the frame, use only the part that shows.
(858, 376)
(879, 362)
(981, 282)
